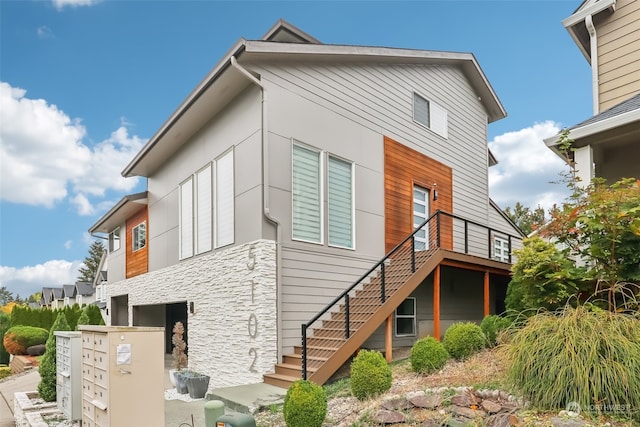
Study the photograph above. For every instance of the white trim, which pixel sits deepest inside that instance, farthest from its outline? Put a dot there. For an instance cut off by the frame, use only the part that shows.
(200, 238)
(295, 142)
(592, 9)
(183, 251)
(229, 239)
(597, 127)
(112, 240)
(133, 236)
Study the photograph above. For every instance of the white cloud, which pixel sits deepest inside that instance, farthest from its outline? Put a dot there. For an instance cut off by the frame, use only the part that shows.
(28, 280)
(526, 168)
(68, 244)
(44, 32)
(61, 4)
(43, 155)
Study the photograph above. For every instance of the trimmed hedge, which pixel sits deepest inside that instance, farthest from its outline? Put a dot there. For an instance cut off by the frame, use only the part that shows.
(18, 338)
(305, 405)
(370, 374)
(463, 339)
(428, 355)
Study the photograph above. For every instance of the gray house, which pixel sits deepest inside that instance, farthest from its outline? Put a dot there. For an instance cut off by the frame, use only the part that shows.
(340, 187)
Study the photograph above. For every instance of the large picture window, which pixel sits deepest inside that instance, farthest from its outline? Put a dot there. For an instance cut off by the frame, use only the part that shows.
(224, 200)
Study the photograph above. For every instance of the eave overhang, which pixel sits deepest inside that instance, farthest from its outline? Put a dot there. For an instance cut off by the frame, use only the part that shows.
(119, 213)
(575, 24)
(224, 83)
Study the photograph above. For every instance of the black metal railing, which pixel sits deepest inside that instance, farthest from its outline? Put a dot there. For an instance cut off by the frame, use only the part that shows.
(411, 254)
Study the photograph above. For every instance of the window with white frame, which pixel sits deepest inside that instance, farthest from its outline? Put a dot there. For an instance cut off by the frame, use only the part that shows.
(430, 115)
(308, 180)
(114, 240)
(185, 219)
(306, 194)
(224, 205)
(406, 318)
(139, 236)
(340, 202)
(500, 248)
(202, 210)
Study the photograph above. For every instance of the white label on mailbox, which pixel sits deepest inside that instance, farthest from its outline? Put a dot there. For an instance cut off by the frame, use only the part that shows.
(123, 354)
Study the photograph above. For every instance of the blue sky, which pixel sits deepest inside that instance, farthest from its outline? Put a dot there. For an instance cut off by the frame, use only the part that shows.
(85, 83)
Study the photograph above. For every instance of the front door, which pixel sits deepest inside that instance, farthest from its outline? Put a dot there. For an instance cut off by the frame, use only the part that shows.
(420, 214)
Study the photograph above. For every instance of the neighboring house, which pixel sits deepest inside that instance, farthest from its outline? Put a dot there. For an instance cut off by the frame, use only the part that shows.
(99, 283)
(84, 293)
(46, 296)
(283, 179)
(69, 294)
(57, 298)
(607, 145)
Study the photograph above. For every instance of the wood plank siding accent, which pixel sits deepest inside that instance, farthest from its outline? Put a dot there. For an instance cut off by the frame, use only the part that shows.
(137, 262)
(404, 168)
(619, 54)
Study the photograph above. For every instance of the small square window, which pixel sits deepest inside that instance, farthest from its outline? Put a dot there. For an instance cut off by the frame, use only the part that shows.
(500, 249)
(139, 235)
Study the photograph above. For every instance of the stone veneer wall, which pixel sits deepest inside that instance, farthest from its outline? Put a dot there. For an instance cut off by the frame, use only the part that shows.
(233, 330)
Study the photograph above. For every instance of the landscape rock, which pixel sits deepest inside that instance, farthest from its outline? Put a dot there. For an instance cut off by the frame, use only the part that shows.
(389, 417)
(461, 400)
(396, 404)
(567, 422)
(491, 406)
(499, 420)
(431, 401)
(467, 412)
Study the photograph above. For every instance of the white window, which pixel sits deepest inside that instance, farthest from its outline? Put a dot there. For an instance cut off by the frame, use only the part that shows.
(186, 219)
(139, 236)
(430, 115)
(406, 318)
(203, 211)
(224, 200)
(340, 206)
(306, 194)
(114, 240)
(500, 248)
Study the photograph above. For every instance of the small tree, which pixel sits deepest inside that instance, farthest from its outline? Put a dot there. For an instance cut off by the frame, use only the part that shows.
(179, 346)
(90, 269)
(47, 367)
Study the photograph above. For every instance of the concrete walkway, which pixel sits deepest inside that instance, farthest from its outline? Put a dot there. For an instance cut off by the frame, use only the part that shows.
(177, 412)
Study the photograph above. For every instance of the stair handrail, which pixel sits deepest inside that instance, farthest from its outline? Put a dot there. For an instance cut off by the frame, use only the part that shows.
(381, 264)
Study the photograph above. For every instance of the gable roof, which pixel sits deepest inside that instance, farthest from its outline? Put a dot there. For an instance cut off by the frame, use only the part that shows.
(84, 288)
(69, 291)
(285, 42)
(123, 210)
(495, 206)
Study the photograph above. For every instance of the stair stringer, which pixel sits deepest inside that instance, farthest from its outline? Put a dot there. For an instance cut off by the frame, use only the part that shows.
(342, 354)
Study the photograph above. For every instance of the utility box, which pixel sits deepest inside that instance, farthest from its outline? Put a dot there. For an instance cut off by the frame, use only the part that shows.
(122, 376)
(69, 374)
(236, 420)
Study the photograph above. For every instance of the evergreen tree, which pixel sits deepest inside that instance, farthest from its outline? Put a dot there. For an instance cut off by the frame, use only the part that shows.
(90, 268)
(5, 295)
(47, 367)
(527, 219)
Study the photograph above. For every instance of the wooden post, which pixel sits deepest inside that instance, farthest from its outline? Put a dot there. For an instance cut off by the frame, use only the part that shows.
(436, 303)
(487, 305)
(388, 340)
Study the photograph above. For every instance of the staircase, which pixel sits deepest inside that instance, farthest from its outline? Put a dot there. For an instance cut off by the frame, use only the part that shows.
(361, 310)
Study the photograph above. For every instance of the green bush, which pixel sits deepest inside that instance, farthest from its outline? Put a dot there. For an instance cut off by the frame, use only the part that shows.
(5, 371)
(582, 355)
(305, 405)
(463, 339)
(491, 326)
(18, 338)
(5, 323)
(428, 355)
(370, 374)
(47, 367)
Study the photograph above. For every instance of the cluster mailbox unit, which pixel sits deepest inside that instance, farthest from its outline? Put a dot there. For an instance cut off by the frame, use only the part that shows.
(122, 376)
(68, 375)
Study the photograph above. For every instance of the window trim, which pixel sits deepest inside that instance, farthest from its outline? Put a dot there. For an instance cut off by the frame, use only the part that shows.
(405, 316)
(353, 202)
(112, 240)
(181, 247)
(197, 221)
(143, 224)
(321, 190)
(215, 193)
(504, 247)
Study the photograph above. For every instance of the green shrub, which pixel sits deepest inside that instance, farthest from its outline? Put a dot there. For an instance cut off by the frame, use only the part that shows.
(370, 374)
(305, 405)
(463, 339)
(577, 355)
(47, 367)
(5, 371)
(428, 355)
(491, 326)
(18, 338)
(5, 323)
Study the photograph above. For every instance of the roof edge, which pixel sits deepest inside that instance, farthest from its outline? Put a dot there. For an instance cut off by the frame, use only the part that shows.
(126, 199)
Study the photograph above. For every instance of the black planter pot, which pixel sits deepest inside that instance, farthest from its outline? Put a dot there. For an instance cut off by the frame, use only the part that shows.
(181, 381)
(197, 386)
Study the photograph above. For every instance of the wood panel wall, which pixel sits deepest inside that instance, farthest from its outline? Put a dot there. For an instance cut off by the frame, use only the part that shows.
(138, 261)
(404, 168)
